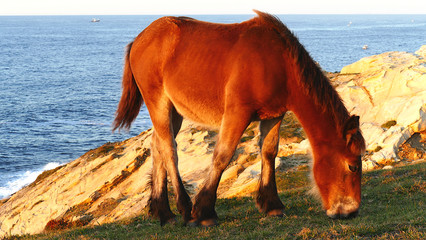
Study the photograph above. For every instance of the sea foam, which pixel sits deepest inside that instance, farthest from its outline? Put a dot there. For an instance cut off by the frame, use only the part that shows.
(23, 180)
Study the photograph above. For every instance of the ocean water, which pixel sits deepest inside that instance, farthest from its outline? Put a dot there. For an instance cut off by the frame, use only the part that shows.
(60, 77)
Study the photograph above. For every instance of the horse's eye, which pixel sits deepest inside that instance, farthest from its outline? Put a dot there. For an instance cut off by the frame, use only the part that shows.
(353, 168)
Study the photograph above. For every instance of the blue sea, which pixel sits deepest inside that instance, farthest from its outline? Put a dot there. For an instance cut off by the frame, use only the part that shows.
(60, 77)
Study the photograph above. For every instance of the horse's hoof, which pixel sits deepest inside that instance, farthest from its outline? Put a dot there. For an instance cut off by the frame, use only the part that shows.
(276, 213)
(192, 223)
(171, 221)
(203, 223)
(209, 222)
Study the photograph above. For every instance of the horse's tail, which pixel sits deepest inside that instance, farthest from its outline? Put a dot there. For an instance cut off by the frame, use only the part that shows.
(131, 98)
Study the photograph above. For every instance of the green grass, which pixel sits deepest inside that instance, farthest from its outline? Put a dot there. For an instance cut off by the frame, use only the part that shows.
(393, 208)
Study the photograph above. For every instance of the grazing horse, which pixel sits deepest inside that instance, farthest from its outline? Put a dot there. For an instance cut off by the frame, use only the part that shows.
(226, 76)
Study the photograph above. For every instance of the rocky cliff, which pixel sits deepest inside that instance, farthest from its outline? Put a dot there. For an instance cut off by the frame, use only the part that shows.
(388, 91)
(111, 182)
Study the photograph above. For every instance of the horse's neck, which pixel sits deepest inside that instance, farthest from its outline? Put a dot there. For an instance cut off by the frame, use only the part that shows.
(319, 125)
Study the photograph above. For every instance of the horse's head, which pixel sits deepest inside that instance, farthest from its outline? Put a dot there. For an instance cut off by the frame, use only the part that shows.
(337, 172)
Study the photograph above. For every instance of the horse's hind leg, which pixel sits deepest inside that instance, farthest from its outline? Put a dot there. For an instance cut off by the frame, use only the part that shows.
(230, 133)
(166, 122)
(159, 202)
(183, 201)
(267, 199)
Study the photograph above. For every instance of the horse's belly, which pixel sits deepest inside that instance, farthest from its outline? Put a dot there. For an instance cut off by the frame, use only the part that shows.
(201, 110)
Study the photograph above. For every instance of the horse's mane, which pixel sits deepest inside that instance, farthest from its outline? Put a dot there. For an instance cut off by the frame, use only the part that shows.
(312, 78)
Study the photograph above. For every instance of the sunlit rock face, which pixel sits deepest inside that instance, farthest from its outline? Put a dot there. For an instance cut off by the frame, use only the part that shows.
(388, 91)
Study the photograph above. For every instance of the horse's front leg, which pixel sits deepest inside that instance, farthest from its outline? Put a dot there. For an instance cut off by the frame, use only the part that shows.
(267, 199)
(203, 212)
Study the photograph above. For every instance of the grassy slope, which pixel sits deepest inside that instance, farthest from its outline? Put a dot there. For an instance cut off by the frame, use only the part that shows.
(393, 208)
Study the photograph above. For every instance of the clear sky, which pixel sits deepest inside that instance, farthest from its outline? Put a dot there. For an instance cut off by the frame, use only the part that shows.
(172, 7)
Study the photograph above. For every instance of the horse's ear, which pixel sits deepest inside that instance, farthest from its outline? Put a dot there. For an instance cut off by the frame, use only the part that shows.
(350, 128)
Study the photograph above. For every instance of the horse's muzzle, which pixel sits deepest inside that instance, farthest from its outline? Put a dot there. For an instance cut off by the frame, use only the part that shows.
(345, 208)
(344, 215)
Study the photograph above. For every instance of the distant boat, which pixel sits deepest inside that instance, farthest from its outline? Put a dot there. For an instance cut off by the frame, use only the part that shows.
(365, 47)
(95, 20)
(350, 23)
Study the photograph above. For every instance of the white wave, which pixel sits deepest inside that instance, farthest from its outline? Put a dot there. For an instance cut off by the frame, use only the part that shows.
(23, 180)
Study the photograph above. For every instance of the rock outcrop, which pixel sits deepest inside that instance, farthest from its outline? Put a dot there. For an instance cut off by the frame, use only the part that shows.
(112, 182)
(388, 91)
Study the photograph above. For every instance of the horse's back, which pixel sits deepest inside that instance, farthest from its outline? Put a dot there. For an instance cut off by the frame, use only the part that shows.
(203, 66)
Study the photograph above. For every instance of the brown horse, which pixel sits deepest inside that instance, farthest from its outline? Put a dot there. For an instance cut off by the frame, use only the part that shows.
(228, 75)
